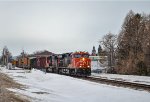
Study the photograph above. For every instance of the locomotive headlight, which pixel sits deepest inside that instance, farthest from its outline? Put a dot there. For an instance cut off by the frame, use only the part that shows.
(83, 59)
(88, 66)
(80, 66)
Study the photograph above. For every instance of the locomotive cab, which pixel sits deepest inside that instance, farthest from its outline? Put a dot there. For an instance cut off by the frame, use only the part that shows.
(81, 60)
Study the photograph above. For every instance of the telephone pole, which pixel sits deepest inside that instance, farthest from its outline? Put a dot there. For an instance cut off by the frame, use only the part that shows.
(23, 58)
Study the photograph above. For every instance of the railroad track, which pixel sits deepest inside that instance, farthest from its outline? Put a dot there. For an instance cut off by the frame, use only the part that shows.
(136, 86)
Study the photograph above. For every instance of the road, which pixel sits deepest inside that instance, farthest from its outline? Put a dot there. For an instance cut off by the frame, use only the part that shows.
(8, 96)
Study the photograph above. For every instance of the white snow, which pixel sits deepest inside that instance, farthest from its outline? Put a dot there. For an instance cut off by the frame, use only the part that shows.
(60, 88)
(95, 65)
(128, 78)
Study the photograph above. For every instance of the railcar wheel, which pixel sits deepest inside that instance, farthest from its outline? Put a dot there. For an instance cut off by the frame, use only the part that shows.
(72, 72)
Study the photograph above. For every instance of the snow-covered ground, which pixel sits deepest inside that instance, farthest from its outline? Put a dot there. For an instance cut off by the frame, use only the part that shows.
(129, 78)
(48, 87)
(95, 65)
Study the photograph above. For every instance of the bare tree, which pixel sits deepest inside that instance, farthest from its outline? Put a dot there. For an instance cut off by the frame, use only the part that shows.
(6, 55)
(132, 42)
(109, 42)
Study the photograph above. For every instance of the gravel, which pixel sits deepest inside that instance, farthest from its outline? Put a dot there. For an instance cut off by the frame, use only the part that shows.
(8, 96)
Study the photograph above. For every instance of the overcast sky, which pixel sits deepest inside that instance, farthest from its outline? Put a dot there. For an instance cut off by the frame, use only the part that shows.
(61, 26)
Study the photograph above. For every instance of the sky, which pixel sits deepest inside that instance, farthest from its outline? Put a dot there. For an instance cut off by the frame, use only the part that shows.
(61, 26)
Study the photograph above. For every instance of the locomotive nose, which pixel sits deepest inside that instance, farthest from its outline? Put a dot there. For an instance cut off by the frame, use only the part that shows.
(84, 63)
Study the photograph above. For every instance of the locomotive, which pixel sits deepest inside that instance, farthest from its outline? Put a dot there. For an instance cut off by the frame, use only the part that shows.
(77, 63)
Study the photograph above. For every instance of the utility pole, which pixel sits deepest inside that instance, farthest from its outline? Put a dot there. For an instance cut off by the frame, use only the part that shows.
(23, 58)
(7, 53)
(3, 57)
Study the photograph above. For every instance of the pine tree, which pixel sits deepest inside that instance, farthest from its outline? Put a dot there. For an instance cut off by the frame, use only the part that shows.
(99, 50)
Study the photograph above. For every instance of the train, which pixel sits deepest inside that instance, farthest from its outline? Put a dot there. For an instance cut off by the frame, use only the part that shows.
(73, 63)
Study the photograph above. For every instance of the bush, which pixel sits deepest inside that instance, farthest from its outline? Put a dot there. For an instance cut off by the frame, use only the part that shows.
(142, 69)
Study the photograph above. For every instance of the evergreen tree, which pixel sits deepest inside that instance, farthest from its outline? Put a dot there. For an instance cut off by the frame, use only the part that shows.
(99, 50)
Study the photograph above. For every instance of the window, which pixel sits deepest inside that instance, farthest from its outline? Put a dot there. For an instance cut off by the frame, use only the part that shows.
(77, 56)
(85, 55)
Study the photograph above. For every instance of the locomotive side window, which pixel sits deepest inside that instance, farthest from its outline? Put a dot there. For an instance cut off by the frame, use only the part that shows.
(85, 55)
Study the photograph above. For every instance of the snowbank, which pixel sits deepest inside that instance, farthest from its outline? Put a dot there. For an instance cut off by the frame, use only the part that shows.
(48, 87)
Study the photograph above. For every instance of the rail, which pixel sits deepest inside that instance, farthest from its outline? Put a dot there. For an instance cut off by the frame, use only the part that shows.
(137, 86)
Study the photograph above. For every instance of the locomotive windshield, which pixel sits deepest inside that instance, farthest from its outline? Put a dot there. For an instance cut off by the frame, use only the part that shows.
(85, 55)
(77, 55)
(81, 55)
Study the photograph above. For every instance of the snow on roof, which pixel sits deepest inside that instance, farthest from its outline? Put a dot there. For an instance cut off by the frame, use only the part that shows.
(32, 57)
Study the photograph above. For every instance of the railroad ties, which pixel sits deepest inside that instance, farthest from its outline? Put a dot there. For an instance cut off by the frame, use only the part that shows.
(120, 83)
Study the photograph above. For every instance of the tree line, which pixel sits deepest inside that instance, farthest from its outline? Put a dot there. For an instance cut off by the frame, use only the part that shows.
(129, 51)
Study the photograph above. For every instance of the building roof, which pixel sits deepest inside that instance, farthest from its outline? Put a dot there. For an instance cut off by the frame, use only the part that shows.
(44, 53)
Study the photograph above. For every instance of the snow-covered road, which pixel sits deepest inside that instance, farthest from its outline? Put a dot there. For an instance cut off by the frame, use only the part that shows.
(50, 87)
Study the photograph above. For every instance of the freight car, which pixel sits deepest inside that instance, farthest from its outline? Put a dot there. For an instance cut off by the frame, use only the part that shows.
(23, 62)
(33, 62)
